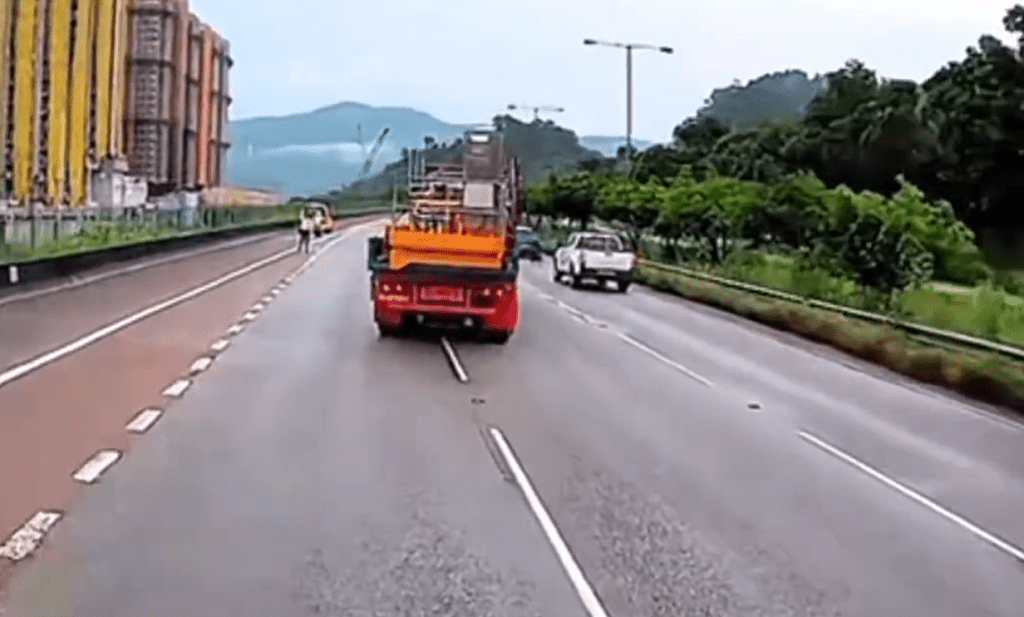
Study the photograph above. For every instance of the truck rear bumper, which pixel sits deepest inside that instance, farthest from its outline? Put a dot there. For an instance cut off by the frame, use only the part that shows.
(622, 276)
(488, 305)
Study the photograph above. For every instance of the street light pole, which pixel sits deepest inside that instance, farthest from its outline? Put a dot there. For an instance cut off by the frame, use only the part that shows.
(629, 47)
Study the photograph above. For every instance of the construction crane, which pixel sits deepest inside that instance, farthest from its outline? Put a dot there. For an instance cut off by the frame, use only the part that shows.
(368, 164)
(537, 109)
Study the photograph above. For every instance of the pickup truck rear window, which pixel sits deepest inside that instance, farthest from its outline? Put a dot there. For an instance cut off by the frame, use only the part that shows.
(600, 244)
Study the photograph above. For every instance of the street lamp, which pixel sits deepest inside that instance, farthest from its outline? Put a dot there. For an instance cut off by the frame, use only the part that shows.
(629, 47)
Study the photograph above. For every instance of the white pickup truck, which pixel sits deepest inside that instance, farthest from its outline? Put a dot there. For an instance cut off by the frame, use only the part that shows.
(597, 256)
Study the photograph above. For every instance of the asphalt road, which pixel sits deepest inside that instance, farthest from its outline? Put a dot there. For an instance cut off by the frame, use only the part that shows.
(693, 463)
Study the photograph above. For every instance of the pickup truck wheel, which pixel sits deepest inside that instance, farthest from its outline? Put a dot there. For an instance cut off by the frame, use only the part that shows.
(577, 281)
(623, 286)
(556, 276)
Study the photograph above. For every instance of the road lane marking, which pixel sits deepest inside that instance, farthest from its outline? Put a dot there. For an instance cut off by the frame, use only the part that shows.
(267, 299)
(906, 491)
(236, 329)
(200, 365)
(275, 292)
(259, 306)
(89, 280)
(220, 345)
(453, 360)
(572, 569)
(679, 367)
(249, 316)
(176, 389)
(25, 368)
(144, 420)
(29, 536)
(94, 467)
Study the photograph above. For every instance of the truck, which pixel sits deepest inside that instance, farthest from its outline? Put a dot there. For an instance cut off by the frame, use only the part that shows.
(448, 258)
(599, 256)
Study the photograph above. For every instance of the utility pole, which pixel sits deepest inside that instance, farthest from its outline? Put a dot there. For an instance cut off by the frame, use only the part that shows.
(629, 47)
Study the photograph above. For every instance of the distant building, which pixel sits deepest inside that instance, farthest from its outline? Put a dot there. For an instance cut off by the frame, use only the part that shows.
(87, 83)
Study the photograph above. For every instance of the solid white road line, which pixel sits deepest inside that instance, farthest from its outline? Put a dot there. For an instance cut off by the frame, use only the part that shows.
(94, 467)
(994, 540)
(25, 368)
(200, 365)
(29, 536)
(176, 389)
(679, 367)
(453, 358)
(572, 569)
(144, 420)
(220, 345)
(236, 329)
(134, 268)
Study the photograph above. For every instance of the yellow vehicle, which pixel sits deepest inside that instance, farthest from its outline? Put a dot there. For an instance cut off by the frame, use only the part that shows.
(322, 215)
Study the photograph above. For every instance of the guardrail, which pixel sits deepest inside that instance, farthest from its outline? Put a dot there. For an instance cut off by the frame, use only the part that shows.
(914, 328)
(39, 269)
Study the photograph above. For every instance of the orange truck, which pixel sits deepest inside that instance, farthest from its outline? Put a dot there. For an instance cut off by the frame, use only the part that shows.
(449, 259)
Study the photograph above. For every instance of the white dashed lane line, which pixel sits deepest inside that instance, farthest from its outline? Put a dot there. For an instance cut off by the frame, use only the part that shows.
(906, 491)
(95, 466)
(453, 360)
(200, 365)
(29, 536)
(176, 389)
(144, 420)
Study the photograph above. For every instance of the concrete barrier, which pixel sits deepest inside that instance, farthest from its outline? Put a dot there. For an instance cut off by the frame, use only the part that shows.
(43, 269)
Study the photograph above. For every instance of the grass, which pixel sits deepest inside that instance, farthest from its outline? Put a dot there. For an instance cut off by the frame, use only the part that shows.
(987, 377)
(99, 234)
(984, 312)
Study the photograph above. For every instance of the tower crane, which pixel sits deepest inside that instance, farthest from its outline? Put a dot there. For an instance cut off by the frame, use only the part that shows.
(368, 164)
(537, 109)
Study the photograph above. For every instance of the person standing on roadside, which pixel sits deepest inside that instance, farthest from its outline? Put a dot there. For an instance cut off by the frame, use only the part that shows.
(305, 231)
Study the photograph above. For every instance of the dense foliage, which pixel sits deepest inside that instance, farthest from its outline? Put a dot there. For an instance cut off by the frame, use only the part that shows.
(842, 186)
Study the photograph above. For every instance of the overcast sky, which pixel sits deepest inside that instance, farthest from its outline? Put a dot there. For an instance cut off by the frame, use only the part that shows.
(466, 60)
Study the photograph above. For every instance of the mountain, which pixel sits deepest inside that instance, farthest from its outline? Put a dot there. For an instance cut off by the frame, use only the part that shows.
(318, 151)
(609, 146)
(541, 146)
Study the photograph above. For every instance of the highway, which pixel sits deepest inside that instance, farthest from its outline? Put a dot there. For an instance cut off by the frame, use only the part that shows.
(622, 455)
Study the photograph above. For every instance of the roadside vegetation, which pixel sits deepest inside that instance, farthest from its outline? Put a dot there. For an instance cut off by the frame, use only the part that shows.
(74, 232)
(884, 195)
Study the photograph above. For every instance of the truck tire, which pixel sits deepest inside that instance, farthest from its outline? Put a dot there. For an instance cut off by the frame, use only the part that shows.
(386, 330)
(623, 286)
(577, 281)
(556, 276)
(497, 337)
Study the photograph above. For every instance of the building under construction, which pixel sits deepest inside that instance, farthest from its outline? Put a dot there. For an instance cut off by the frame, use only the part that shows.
(96, 94)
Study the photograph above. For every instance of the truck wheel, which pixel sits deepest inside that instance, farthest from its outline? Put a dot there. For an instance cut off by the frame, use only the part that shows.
(623, 286)
(499, 337)
(386, 330)
(577, 281)
(556, 276)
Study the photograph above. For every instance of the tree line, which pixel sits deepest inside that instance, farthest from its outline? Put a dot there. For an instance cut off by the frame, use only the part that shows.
(886, 181)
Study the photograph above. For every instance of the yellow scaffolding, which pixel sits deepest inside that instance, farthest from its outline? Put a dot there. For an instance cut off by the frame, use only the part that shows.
(81, 86)
(60, 80)
(119, 70)
(6, 9)
(105, 24)
(25, 84)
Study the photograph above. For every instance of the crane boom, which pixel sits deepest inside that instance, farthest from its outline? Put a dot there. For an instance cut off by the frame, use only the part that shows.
(536, 109)
(368, 164)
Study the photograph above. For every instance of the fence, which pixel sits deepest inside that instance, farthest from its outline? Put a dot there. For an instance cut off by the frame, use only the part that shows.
(52, 232)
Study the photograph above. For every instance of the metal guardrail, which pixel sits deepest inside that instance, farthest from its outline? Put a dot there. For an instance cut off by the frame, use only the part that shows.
(954, 337)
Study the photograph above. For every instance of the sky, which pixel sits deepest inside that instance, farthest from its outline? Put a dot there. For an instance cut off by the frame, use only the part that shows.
(466, 60)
